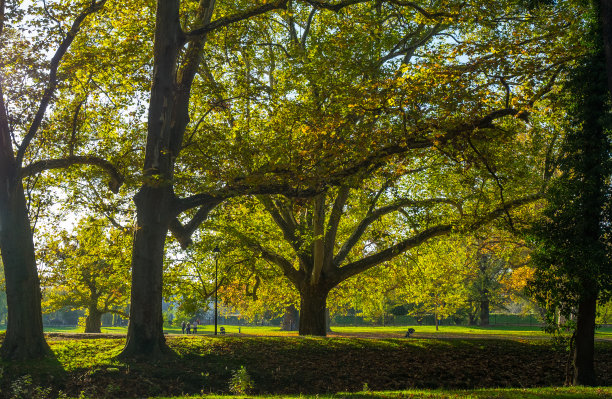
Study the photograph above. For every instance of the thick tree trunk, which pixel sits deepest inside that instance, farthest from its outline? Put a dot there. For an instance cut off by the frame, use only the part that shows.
(155, 199)
(484, 312)
(145, 330)
(584, 347)
(24, 337)
(312, 311)
(24, 332)
(93, 322)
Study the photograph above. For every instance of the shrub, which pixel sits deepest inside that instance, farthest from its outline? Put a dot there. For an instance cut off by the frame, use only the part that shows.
(241, 382)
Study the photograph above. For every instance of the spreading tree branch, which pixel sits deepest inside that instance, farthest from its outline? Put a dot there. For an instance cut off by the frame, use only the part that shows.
(240, 189)
(421, 10)
(116, 179)
(240, 186)
(324, 5)
(237, 17)
(384, 255)
(288, 270)
(370, 261)
(93, 7)
(379, 213)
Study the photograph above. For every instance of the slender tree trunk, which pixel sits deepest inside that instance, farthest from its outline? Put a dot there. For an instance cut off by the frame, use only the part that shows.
(93, 322)
(484, 311)
(145, 330)
(24, 332)
(312, 311)
(584, 349)
(436, 317)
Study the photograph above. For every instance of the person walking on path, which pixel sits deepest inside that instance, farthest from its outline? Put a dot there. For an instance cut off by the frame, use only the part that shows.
(188, 328)
(183, 325)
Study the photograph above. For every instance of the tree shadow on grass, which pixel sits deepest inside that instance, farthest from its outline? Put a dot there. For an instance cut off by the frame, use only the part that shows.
(44, 377)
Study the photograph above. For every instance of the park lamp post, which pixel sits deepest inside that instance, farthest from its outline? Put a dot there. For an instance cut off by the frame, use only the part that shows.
(216, 253)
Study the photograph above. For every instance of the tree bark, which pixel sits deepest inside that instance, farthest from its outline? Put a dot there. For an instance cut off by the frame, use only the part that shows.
(313, 302)
(24, 331)
(584, 347)
(155, 199)
(93, 322)
(145, 331)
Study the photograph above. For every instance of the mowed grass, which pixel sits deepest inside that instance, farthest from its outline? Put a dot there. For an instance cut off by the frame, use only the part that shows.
(498, 331)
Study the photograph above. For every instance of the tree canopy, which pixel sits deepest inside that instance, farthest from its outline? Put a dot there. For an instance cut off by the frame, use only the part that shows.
(326, 138)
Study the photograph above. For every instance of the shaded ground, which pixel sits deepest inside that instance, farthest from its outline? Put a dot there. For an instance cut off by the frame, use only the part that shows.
(303, 365)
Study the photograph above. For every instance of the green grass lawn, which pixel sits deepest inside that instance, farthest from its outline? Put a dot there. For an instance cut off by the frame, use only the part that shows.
(390, 331)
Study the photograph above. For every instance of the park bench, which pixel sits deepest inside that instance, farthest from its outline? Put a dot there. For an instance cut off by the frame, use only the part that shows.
(222, 330)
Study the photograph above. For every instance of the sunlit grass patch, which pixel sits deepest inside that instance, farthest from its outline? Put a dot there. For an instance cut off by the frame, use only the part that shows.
(531, 393)
(86, 353)
(501, 331)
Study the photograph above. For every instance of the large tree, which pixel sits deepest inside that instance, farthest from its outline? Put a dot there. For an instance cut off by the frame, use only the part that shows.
(573, 266)
(177, 55)
(321, 242)
(179, 61)
(451, 131)
(28, 86)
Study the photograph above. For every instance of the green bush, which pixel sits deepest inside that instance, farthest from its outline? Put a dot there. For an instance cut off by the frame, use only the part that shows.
(241, 382)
